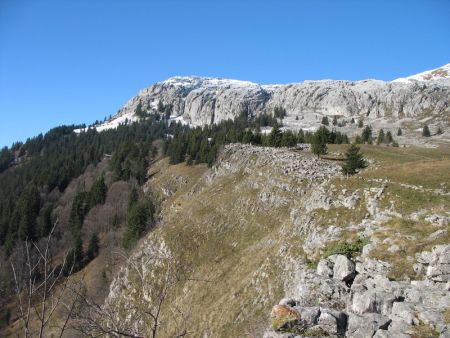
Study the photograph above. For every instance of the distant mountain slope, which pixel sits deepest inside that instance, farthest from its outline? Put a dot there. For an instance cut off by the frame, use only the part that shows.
(201, 100)
(441, 73)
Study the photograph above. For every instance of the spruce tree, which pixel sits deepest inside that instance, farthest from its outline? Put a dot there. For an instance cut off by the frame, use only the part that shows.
(92, 251)
(325, 121)
(97, 194)
(380, 138)
(399, 132)
(279, 112)
(353, 160)
(426, 131)
(318, 144)
(366, 134)
(288, 139)
(275, 136)
(360, 124)
(389, 139)
(335, 121)
(47, 222)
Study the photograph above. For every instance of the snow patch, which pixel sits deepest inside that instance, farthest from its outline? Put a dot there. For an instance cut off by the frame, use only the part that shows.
(441, 73)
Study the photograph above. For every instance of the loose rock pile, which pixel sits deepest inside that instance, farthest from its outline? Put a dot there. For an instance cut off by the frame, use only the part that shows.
(354, 298)
(298, 165)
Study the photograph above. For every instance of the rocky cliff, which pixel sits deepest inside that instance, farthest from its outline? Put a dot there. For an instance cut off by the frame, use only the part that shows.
(199, 100)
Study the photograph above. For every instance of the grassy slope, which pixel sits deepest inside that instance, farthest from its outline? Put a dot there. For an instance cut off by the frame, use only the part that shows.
(240, 243)
(235, 240)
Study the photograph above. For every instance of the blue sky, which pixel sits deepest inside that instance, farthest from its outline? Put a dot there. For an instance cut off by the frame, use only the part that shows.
(64, 62)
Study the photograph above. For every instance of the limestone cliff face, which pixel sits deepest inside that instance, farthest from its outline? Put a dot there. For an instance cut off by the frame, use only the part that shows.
(199, 101)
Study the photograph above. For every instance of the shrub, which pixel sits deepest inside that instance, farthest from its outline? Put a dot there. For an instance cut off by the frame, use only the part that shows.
(349, 249)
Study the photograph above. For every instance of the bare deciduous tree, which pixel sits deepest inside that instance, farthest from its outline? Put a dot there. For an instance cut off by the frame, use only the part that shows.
(94, 320)
(40, 287)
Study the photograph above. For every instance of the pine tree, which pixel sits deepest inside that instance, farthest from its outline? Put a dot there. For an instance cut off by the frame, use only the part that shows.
(389, 139)
(399, 132)
(160, 107)
(26, 213)
(92, 251)
(279, 112)
(248, 137)
(138, 111)
(288, 139)
(132, 198)
(47, 222)
(353, 160)
(426, 131)
(275, 136)
(380, 138)
(366, 134)
(97, 194)
(318, 144)
(139, 216)
(335, 121)
(325, 121)
(439, 131)
(360, 124)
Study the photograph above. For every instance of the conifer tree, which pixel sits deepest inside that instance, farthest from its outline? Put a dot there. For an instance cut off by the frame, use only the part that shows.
(26, 213)
(288, 139)
(353, 160)
(97, 194)
(318, 144)
(389, 139)
(275, 136)
(426, 131)
(366, 135)
(92, 251)
(47, 222)
(380, 138)
(399, 132)
(325, 121)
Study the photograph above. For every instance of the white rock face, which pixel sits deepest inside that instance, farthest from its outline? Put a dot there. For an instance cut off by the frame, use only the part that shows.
(201, 100)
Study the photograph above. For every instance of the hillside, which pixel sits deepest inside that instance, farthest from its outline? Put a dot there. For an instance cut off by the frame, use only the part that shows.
(211, 208)
(252, 226)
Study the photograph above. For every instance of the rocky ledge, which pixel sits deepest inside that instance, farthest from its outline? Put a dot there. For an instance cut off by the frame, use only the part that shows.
(348, 297)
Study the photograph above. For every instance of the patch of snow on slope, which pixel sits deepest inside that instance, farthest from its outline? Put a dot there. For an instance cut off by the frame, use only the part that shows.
(112, 123)
(441, 73)
(206, 82)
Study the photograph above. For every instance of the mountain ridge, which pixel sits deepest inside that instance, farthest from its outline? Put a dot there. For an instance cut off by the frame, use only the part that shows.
(199, 101)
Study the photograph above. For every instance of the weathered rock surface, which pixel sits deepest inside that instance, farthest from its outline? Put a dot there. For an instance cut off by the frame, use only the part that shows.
(374, 305)
(435, 264)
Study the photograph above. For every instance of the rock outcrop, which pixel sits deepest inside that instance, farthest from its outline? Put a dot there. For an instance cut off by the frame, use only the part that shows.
(369, 304)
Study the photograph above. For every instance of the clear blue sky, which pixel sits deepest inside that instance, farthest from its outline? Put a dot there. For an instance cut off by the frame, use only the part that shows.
(64, 62)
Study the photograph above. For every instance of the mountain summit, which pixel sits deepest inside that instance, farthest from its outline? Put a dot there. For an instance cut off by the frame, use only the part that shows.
(198, 101)
(441, 73)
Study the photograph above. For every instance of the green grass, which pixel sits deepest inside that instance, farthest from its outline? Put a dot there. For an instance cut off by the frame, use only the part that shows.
(349, 249)
(398, 231)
